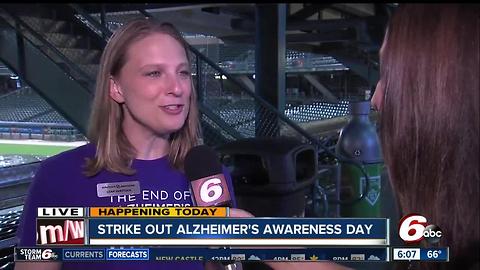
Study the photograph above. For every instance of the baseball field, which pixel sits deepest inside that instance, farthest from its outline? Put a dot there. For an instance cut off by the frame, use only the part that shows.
(35, 147)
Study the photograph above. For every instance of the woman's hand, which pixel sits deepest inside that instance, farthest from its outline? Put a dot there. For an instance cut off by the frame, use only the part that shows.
(38, 265)
(237, 212)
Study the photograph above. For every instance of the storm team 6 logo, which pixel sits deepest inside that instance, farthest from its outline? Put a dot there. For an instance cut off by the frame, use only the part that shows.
(413, 228)
(36, 254)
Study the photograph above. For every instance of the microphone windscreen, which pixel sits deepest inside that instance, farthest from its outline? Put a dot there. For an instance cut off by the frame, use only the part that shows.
(201, 161)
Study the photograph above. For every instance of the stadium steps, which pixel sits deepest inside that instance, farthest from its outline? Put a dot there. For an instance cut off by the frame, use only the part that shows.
(60, 39)
(75, 48)
(55, 75)
(75, 45)
(82, 56)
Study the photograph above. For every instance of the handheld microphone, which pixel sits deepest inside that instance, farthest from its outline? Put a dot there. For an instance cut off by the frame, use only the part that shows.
(207, 182)
(208, 185)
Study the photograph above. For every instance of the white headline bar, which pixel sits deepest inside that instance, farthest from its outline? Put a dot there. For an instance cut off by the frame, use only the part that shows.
(229, 242)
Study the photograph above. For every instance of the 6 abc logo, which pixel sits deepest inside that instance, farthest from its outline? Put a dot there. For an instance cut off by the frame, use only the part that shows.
(413, 228)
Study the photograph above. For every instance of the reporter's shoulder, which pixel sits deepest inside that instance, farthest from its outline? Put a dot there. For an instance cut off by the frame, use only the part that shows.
(70, 157)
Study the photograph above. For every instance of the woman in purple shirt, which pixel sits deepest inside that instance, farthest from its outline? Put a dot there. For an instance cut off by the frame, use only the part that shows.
(144, 121)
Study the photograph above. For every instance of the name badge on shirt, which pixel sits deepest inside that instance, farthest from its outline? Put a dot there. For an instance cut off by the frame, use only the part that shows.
(118, 188)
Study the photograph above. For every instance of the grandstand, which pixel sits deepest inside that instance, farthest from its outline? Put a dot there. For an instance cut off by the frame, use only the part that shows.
(317, 111)
(26, 115)
(25, 105)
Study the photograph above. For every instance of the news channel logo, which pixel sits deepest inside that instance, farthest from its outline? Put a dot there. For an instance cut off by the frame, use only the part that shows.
(36, 254)
(414, 228)
(59, 231)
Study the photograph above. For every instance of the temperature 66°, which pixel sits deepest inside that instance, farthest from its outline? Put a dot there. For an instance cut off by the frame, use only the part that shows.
(433, 254)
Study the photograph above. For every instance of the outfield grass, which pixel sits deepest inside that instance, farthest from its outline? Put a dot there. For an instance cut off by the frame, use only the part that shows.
(34, 148)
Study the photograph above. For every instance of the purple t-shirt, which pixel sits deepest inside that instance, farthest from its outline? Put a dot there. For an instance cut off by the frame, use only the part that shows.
(60, 182)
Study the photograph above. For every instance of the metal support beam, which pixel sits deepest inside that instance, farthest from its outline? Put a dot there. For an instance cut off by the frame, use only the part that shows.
(95, 8)
(320, 26)
(103, 20)
(306, 12)
(270, 46)
(357, 9)
(333, 36)
(320, 87)
(201, 93)
(247, 82)
(324, 25)
(338, 36)
(195, 21)
(358, 66)
(20, 51)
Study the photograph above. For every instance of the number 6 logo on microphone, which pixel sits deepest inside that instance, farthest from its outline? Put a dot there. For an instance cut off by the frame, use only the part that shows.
(211, 191)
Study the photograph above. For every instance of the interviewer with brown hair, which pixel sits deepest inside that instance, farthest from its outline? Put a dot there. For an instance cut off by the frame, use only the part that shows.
(428, 98)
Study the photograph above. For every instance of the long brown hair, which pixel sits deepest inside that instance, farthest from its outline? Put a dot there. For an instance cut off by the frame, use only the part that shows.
(429, 124)
(113, 150)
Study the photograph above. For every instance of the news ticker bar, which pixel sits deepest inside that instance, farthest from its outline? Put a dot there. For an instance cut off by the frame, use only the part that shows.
(199, 226)
(421, 254)
(370, 254)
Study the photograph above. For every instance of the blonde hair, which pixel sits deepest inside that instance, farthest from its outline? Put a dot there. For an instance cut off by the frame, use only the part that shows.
(113, 150)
